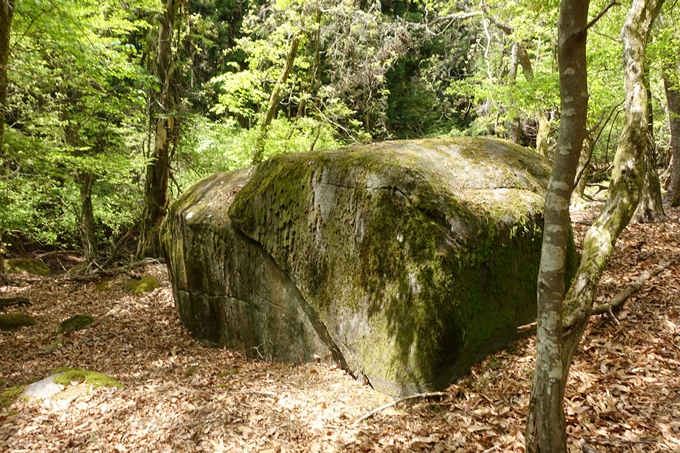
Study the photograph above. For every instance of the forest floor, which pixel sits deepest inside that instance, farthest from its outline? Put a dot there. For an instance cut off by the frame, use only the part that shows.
(623, 392)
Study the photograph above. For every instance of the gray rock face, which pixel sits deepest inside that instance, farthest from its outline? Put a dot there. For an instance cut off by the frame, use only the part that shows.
(44, 388)
(408, 261)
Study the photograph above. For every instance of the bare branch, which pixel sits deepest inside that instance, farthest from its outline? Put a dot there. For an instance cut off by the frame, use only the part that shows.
(611, 4)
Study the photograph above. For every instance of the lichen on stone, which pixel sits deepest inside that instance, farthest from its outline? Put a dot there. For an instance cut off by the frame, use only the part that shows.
(74, 323)
(26, 266)
(15, 320)
(141, 285)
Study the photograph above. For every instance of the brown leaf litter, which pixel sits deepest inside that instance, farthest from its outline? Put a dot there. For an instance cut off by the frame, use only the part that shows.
(623, 394)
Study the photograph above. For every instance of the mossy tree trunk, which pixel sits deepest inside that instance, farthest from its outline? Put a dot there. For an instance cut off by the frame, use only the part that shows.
(672, 88)
(156, 197)
(546, 425)
(6, 15)
(562, 319)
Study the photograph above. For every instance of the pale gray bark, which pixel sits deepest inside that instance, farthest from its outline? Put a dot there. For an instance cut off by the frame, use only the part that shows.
(546, 425)
(556, 347)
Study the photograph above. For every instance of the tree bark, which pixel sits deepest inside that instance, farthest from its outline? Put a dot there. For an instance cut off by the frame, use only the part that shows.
(156, 197)
(672, 89)
(650, 206)
(555, 346)
(274, 100)
(6, 15)
(546, 425)
(87, 221)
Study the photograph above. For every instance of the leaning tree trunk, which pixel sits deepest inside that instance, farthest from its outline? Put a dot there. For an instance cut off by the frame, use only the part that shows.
(546, 425)
(156, 197)
(274, 100)
(672, 88)
(556, 347)
(6, 15)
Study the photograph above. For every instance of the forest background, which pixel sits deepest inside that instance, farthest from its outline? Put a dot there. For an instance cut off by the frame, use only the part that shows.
(110, 103)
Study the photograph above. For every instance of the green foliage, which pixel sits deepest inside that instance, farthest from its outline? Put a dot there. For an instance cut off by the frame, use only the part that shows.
(76, 106)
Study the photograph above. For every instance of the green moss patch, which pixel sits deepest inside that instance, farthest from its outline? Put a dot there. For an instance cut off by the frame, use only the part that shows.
(15, 320)
(8, 397)
(77, 322)
(26, 266)
(90, 378)
(141, 285)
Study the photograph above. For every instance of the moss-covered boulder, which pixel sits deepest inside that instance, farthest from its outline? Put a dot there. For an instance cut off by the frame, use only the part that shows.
(74, 323)
(15, 320)
(409, 261)
(141, 285)
(26, 266)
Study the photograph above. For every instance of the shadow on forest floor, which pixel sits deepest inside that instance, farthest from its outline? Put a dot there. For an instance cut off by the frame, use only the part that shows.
(623, 394)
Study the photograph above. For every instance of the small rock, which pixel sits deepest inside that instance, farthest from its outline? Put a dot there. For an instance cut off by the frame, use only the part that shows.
(26, 266)
(15, 320)
(77, 322)
(44, 388)
(141, 285)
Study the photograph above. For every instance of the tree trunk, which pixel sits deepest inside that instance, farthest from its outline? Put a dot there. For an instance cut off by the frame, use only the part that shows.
(556, 347)
(542, 146)
(87, 221)
(578, 195)
(546, 425)
(274, 100)
(672, 89)
(158, 170)
(6, 15)
(650, 206)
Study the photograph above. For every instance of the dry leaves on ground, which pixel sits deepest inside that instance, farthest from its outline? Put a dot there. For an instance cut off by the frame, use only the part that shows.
(623, 394)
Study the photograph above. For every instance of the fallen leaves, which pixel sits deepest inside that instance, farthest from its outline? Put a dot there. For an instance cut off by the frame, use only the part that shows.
(623, 394)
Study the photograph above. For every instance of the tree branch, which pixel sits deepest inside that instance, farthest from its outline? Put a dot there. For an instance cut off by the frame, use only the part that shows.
(633, 288)
(611, 4)
(395, 402)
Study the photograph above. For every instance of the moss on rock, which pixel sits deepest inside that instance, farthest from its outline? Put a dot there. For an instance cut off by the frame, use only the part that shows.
(26, 266)
(8, 397)
(15, 320)
(74, 323)
(412, 259)
(91, 378)
(141, 285)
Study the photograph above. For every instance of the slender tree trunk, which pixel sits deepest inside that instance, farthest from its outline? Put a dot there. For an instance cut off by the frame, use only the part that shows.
(556, 347)
(543, 134)
(156, 197)
(87, 222)
(650, 206)
(546, 425)
(673, 101)
(578, 195)
(274, 100)
(6, 15)
(515, 124)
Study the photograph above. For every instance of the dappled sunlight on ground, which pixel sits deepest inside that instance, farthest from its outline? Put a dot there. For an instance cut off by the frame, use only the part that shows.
(623, 394)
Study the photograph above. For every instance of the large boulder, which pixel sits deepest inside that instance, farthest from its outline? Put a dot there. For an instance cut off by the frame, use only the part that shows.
(408, 261)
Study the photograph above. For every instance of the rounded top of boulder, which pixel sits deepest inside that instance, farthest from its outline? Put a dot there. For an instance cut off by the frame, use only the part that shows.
(467, 163)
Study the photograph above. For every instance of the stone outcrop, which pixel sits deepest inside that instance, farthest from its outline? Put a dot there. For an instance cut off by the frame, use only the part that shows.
(408, 261)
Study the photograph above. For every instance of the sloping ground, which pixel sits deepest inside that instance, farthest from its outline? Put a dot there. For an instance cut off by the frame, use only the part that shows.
(623, 395)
